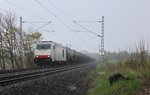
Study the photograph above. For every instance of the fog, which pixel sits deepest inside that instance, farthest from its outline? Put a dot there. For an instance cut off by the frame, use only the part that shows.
(125, 21)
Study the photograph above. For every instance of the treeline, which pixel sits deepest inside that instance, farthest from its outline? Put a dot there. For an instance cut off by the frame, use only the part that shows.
(114, 57)
(136, 58)
(16, 51)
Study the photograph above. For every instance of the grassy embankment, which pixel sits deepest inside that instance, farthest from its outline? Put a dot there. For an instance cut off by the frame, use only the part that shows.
(101, 84)
(136, 67)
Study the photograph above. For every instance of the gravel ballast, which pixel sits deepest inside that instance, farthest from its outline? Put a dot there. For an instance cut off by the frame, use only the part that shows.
(73, 82)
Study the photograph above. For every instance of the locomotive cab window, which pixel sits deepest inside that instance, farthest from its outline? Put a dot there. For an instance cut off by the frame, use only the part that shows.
(43, 46)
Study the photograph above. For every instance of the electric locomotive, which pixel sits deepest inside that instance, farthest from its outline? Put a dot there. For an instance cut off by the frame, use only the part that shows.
(49, 52)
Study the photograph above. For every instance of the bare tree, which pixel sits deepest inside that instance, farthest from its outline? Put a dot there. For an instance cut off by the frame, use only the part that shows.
(10, 48)
(29, 40)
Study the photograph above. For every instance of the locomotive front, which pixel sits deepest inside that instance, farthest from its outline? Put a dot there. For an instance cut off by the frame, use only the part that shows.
(43, 54)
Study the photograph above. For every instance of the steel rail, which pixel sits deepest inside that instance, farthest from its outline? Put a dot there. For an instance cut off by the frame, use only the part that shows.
(12, 79)
(17, 70)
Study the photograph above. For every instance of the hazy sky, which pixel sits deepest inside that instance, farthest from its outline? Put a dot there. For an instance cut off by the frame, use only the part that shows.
(126, 21)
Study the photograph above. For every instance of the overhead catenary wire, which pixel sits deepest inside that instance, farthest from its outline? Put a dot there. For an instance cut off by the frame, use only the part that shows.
(42, 26)
(88, 21)
(32, 22)
(50, 2)
(68, 18)
(53, 14)
(35, 21)
(63, 13)
(78, 31)
(48, 30)
(86, 29)
(71, 19)
(24, 10)
(56, 8)
(59, 18)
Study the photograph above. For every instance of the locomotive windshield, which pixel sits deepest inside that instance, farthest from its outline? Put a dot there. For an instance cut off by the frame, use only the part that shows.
(43, 46)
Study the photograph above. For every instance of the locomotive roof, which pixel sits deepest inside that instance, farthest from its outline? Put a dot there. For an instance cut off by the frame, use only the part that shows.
(48, 42)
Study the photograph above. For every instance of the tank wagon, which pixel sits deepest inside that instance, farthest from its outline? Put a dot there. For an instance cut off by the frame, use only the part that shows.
(49, 52)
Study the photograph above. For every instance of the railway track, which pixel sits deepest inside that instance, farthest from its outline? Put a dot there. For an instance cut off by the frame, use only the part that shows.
(17, 70)
(25, 76)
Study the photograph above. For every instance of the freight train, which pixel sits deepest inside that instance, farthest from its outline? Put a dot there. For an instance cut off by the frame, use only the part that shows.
(49, 52)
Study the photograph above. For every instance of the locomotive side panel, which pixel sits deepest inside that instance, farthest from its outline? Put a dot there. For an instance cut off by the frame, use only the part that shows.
(59, 53)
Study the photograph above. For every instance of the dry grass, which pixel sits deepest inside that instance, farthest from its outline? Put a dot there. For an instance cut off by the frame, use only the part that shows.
(138, 60)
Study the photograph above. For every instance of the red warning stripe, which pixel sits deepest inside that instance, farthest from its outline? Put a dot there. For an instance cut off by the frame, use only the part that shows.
(42, 56)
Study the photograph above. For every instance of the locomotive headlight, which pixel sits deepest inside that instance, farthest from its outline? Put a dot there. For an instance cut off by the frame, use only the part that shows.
(37, 56)
(48, 56)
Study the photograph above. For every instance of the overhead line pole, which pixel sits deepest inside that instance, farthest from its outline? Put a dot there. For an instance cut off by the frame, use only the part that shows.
(21, 43)
(101, 51)
(21, 37)
(20, 29)
(102, 43)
